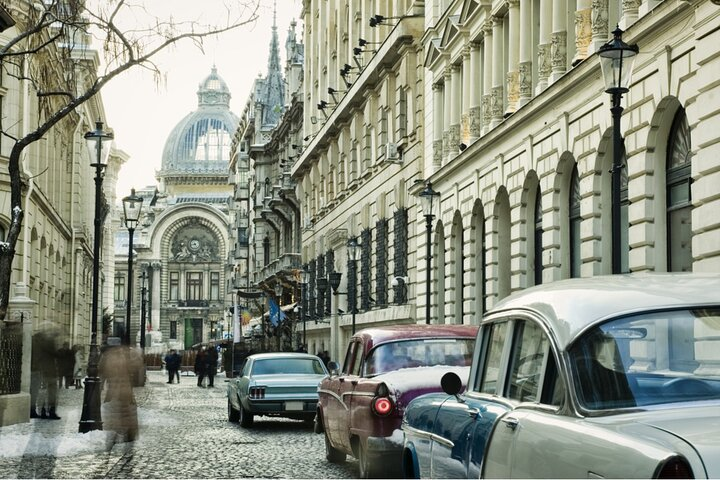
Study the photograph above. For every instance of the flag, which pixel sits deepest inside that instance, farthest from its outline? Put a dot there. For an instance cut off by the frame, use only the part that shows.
(245, 316)
(274, 313)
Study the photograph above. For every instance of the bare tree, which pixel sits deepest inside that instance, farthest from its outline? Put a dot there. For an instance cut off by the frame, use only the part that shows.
(52, 50)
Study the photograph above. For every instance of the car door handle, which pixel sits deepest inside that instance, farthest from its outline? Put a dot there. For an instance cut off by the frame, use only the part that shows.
(354, 382)
(474, 412)
(511, 422)
(341, 380)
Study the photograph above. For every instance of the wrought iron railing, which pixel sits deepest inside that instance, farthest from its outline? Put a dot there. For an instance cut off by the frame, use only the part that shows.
(11, 345)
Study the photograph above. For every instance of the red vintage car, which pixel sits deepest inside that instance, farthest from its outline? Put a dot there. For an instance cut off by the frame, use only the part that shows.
(361, 405)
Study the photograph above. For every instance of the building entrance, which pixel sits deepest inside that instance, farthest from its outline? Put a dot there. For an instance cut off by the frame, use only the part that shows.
(193, 331)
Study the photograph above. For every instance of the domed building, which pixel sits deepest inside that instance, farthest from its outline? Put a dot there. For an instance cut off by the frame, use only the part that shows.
(181, 243)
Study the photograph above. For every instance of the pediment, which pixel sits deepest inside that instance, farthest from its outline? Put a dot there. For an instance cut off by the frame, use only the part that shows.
(468, 9)
(452, 28)
(433, 52)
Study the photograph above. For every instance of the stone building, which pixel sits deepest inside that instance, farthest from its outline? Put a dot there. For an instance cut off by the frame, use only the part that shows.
(181, 244)
(267, 228)
(52, 272)
(501, 106)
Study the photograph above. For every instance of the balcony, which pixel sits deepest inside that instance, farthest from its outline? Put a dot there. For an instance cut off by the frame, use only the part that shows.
(287, 261)
(193, 304)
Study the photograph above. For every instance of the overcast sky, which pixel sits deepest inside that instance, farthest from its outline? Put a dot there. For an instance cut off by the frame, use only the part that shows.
(142, 114)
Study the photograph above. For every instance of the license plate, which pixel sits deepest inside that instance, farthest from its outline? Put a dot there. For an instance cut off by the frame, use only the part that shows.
(294, 406)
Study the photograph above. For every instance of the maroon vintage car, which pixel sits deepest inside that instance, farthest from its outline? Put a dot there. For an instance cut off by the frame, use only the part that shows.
(361, 405)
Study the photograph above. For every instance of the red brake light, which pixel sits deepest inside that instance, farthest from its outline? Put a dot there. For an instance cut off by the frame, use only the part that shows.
(675, 468)
(382, 406)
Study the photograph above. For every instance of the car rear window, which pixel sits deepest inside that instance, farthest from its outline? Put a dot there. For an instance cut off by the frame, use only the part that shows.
(648, 359)
(299, 366)
(425, 352)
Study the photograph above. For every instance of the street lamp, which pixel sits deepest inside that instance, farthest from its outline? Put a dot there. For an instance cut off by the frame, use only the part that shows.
(304, 279)
(99, 143)
(132, 204)
(143, 293)
(616, 61)
(427, 197)
(353, 250)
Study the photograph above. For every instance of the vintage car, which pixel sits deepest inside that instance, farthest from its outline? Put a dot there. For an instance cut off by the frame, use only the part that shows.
(276, 385)
(605, 377)
(361, 405)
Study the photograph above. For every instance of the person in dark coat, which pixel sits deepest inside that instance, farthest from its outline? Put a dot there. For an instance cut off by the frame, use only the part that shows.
(211, 361)
(66, 365)
(172, 364)
(200, 367)
(44, 372)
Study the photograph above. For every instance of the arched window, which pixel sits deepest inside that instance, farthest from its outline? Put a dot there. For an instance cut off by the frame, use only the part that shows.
(679, 202)
(538, 233)
(575, 219)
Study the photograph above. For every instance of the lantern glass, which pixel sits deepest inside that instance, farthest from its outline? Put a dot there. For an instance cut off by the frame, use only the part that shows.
(132, 206)
(427, 197)
(617, 60)
(99, 143)
(353, 250)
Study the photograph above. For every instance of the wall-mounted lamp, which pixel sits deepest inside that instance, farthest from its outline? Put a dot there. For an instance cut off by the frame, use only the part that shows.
(362, 42)
(332, 93)
(376, 20)
(462, 147)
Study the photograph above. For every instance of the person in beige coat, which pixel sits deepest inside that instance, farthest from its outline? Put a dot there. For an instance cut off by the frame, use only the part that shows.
(119, 409)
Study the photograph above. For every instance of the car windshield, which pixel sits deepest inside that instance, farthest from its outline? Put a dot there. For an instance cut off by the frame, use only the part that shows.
(424, 352)
(654, 358)
(291, 366)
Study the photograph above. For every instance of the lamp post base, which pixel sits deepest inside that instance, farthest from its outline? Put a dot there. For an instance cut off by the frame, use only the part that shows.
(91, 418)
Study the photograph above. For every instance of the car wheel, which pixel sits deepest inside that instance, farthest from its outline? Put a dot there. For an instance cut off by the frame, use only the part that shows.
(246, 418)
(366, 463)
(332, 454)
(233, 415)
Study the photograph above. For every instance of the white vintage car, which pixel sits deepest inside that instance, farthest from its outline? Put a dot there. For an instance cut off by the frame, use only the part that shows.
(614, 376)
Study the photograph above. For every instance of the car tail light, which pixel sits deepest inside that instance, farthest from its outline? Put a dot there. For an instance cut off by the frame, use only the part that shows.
(257, 392)
(675, 467)
(382, 406)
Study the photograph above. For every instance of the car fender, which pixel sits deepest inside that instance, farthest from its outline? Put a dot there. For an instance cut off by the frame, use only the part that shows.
(410, 464)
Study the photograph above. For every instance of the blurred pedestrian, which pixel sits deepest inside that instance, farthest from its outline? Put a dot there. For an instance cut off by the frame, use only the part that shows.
(172, 365)
(211, 364)
(44, 374)
(66, 365)
(118, 366)
(79, 374)
(200, 367)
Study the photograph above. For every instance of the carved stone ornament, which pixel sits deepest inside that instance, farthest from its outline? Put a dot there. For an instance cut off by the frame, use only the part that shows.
(194, 246)
(558, 51)
(513, 90)
(497, 103)
(544, 67)
(486, 109)
(475, 121)
(583, 34)
(437, 152)
(600, 18)
(525, 79)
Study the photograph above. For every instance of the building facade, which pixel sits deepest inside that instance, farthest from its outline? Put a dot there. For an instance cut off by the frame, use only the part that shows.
(501, 106)
(181, 245)
(53, 264)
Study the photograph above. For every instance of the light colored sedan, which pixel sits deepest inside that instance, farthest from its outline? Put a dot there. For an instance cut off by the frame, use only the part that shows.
(614, 377)
(276, 385)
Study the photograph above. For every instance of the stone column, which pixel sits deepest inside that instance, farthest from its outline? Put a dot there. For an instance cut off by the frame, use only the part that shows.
(467, 88)
(496, 101)
(438, 128)
(154, 291)
(558, 49)
(544, 68)
(455, 109)
(599, 24)
(487, 77)
(447, 110)
(583, 30)
(513, 88)
(525, 66)
(475, 91)
(630, 10)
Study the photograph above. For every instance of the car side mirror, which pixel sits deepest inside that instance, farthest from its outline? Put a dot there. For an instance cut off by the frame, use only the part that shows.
(451, 383)
(334, 368)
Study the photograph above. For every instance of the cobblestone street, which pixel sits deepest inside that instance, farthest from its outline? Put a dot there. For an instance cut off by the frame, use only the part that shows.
(184, 433)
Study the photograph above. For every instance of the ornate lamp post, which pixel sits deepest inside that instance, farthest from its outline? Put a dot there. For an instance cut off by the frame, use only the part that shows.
(304, 280)
(427, 197)
(99, 143)
(617, 59)
(132, 205)
(353, 250)
(143, 293)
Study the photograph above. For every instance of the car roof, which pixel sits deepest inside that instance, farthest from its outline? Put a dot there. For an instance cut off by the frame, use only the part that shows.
(571, 306)
(378, 335)
(274, 355)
